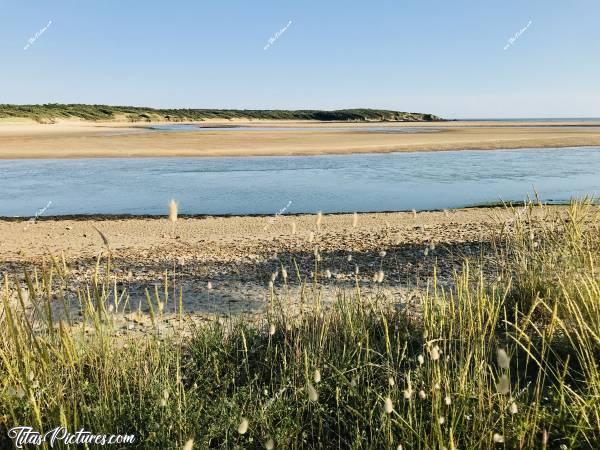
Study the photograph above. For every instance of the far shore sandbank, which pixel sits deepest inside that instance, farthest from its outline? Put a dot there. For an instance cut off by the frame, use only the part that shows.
(80, 139)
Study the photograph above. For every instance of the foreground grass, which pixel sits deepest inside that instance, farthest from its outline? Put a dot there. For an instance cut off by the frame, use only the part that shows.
(505, 363)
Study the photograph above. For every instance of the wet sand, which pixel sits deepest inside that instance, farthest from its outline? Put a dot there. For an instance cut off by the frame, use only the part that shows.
(78, 139)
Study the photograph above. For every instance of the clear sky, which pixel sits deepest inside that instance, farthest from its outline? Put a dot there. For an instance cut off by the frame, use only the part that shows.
(443, 57)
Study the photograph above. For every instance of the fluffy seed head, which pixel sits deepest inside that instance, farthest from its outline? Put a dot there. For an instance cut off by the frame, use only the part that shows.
(209, 286)
(189, 445)
(382, 253)
(498, 438)
(380, 276)
(313, 395)
(503, 359)
(435, 353)
(503, 385)
(328, 273)
(270, 444)
(420, 359)
(447, 400)
(422, 395)
(243, 426)
(317, 376)
(388, 406)
(319, 219)
(272, 329)
(441, 420)
(173, 211)
(391, 382)
(513, 408)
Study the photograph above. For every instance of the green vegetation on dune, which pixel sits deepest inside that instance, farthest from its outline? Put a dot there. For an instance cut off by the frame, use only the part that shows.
(507, 356)
(49, 112)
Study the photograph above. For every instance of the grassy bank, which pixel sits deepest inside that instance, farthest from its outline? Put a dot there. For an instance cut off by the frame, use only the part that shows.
(50, 112)
(502, 361)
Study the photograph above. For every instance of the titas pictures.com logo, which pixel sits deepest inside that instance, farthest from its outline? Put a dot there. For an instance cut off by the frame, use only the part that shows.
(24, 435)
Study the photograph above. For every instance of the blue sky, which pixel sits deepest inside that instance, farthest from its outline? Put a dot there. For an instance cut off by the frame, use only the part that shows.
(442, 57)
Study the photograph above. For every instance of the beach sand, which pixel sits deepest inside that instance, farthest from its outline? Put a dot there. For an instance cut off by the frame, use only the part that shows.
(239, 255)
(80, 139)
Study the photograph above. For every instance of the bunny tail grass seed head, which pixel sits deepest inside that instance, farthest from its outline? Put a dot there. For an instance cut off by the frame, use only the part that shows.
(388, 406)
(313, 395)
(503, 359)
(243, 426)
(172, 211)
(189, 445)
(317, 376)
(270, 444)
(503, 385)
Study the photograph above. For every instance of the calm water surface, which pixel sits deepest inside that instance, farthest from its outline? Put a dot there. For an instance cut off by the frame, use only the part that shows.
(265, 185)
(374, 129)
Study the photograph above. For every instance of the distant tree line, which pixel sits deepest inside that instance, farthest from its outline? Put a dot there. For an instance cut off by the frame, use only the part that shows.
(48, 113)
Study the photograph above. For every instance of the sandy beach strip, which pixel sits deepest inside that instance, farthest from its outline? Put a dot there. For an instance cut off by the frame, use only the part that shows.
(78, 139)
(240, 255)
